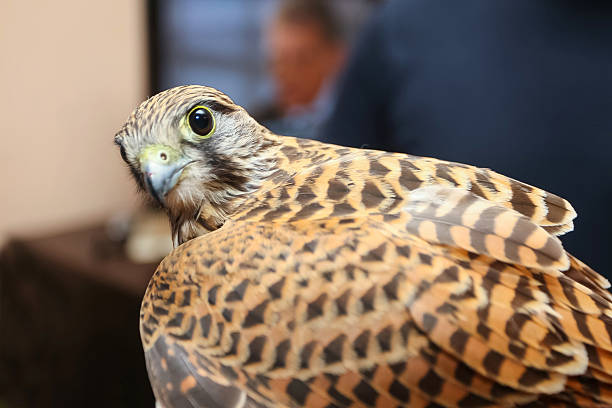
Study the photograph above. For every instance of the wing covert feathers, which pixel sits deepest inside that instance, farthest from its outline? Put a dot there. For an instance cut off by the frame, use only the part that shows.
(458, 218)
(370, 279)
(317, 180)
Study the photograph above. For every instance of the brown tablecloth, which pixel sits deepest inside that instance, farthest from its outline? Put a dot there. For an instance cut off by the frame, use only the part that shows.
(69, 308)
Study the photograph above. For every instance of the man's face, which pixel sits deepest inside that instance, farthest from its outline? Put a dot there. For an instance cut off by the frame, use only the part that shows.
(301, 59)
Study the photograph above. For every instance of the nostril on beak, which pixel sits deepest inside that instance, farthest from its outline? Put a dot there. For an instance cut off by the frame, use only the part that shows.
(161, 167)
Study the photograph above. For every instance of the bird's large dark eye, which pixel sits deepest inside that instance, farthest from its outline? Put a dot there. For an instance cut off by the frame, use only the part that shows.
(201, 121)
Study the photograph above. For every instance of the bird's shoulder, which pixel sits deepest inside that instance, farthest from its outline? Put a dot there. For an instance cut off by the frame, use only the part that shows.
(318, 180)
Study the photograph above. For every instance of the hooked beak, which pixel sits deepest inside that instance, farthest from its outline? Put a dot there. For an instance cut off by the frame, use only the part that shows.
(161, 167)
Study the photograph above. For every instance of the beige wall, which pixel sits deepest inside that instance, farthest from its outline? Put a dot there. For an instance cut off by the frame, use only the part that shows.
(70, 73)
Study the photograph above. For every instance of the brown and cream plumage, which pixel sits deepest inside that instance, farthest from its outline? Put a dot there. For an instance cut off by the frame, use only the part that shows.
(314, 275)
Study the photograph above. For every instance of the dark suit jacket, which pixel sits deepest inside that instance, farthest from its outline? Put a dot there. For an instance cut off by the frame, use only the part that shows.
(520, 86)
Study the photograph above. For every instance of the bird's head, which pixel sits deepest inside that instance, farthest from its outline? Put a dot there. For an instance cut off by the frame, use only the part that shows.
(196, 153)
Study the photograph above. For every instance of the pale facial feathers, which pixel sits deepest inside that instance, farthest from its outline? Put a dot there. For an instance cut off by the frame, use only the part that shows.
(229, 164)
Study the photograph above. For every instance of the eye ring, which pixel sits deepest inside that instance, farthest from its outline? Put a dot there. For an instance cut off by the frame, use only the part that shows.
(201, 121)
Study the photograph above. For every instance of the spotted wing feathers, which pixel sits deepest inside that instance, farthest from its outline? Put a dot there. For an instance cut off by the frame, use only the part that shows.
(180, 382)
(458, 218)
(360, 312)
(318, 180)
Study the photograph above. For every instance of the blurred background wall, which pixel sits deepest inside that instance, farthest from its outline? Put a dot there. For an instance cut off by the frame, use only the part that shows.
(70, 73)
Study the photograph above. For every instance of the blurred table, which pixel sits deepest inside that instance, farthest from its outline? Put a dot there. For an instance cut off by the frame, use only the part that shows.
(69, 309)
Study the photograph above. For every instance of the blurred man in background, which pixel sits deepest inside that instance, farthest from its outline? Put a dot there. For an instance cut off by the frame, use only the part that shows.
(306, 49)
(523, 87)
